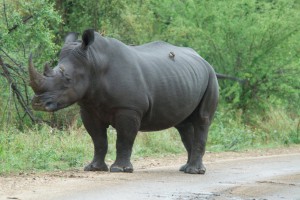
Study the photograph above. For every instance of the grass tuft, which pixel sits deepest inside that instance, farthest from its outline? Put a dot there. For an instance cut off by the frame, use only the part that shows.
(42, 148)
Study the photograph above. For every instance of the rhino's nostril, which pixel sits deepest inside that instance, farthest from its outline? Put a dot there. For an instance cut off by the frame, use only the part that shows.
(48, 104)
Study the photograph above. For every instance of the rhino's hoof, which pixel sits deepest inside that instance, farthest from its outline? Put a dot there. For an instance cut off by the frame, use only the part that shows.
(121, 169)
(195, 170)
(95, 167)
(191, 169)
(183, 167)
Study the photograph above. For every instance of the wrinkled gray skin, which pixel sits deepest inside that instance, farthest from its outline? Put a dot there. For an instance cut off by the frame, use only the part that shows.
(132, 88)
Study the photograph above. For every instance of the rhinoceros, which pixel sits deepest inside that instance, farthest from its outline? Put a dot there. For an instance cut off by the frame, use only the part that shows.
(149, 87)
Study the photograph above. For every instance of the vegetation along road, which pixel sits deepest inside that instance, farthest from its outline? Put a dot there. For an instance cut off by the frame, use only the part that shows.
(42, 154)
(268, 174)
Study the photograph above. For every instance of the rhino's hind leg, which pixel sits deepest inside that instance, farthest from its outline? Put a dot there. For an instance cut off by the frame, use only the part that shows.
(127, 124)
(195, 164)
(201, 120)
(97, 131)
(194, 139)
(186, 131)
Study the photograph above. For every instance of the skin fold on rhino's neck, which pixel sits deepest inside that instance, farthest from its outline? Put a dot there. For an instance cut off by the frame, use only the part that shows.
(94, 64)
(99, 58)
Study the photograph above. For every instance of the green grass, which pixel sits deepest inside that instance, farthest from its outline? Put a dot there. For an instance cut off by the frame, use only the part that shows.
(229, 133)
(42, 148)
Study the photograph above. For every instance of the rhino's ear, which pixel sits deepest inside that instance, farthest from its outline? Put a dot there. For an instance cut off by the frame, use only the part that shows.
(71, 37)
(87, 38)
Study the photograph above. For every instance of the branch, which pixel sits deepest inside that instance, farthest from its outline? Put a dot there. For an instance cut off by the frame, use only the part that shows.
(16, 26)
(4, 10)
(16, 91)
(8, 57)
(24, 21)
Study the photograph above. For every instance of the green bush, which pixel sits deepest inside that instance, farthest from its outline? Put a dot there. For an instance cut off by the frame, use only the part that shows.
(257, 41)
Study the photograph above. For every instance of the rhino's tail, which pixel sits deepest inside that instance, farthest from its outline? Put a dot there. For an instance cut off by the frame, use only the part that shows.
(223, 76)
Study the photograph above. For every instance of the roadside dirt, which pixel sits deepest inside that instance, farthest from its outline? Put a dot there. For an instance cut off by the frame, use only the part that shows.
(60, 184)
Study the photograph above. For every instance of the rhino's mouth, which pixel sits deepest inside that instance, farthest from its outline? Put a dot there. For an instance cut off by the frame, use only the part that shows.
(51, 106)
(44, 105)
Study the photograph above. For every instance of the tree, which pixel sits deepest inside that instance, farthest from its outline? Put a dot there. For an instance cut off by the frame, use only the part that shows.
(255, 40)
(24, 27)
(251, 39)
(129, 21)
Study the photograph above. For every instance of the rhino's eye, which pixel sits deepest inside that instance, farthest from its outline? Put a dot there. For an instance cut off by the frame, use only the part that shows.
(68, 79)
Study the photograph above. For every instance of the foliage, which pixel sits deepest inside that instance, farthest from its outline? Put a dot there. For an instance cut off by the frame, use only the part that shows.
(125, 20)
(228, 132)
(42, 147)
(28, 27)
(257, 41)
(24, 27)
(254, 40)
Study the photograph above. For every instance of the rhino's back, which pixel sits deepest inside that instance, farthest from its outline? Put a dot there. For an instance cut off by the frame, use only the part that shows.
(175, 81)
(165, 89)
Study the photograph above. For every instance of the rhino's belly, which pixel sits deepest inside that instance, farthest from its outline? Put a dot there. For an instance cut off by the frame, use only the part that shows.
(156, 127)
(166, 118)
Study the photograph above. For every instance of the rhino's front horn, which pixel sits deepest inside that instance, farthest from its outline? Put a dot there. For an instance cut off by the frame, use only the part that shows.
(36, 79)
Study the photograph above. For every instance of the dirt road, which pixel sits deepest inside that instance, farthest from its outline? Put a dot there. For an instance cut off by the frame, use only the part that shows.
(268, 174)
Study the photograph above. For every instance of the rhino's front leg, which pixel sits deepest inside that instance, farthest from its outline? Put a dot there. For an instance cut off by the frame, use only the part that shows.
(97, 131)
(127, 124)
